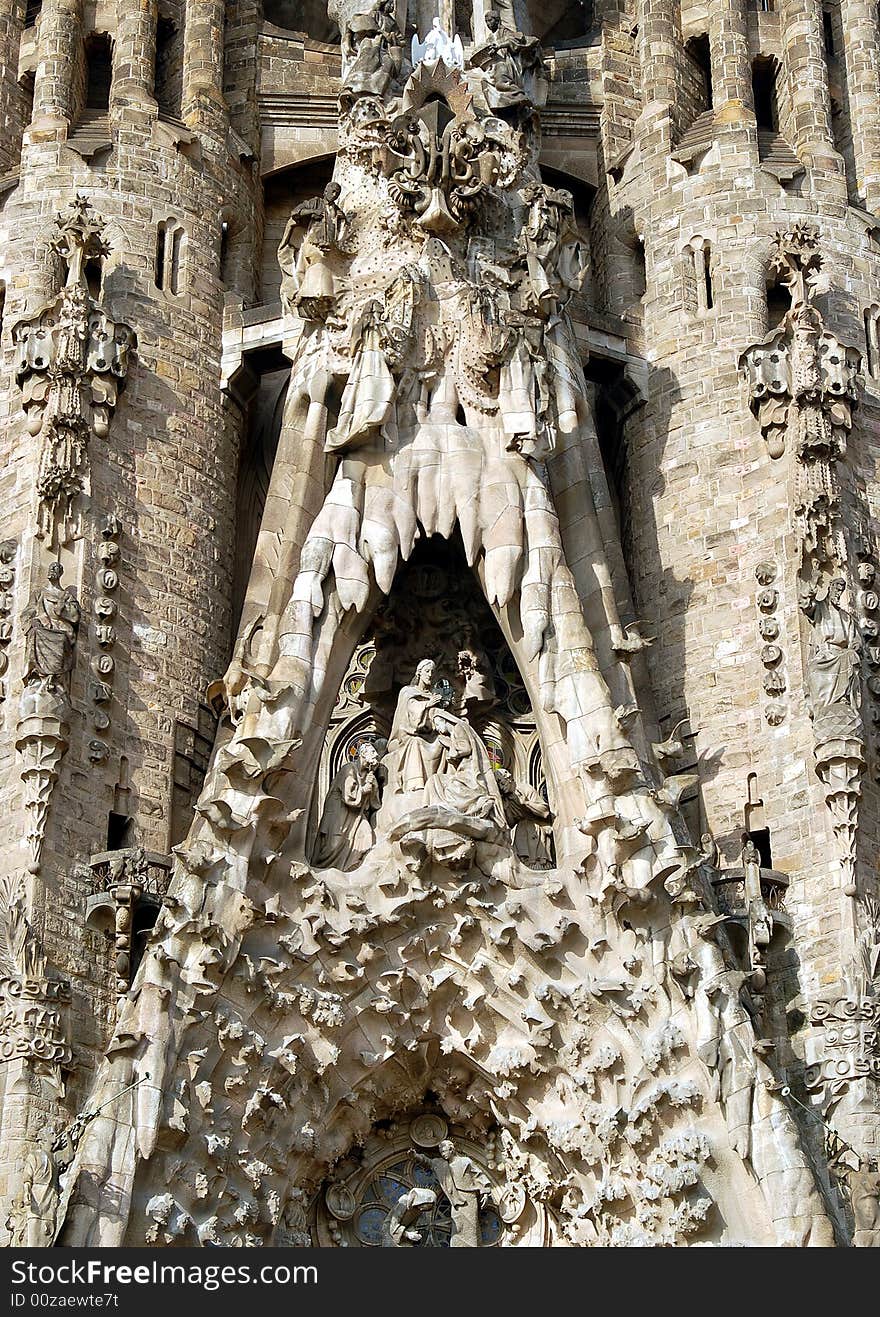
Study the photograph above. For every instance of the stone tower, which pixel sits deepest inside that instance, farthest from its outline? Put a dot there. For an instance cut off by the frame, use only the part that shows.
(439, 633)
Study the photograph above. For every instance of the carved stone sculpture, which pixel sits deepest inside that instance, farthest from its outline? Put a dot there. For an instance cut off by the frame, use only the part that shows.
(34, 1217)
(72, 360)
(527, 813)
(466, 1188)
(309, 284)
(346, 832)
(50, 625)
(513, 66)
(403, 1218)
(585, 1030)
(372, 48)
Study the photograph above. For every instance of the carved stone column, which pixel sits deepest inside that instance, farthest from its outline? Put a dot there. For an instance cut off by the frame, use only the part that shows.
(59, 49)
(134, 59)
(861, 49)
(807, 78)
(203, 57)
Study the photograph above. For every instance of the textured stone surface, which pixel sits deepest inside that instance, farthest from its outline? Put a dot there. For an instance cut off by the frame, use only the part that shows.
(668, 506)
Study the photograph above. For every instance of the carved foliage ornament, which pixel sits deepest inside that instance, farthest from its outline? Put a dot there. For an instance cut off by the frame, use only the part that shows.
(71, 363)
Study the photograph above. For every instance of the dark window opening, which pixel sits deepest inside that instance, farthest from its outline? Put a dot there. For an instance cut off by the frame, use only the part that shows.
(168, 69)
(159, 273)
(764, 91)
(120, 831)
(2, 305)
(94, 274)
(828, 33)
(640, 269)
(224, 253)
(760, 837)
(778, 304)
(707, 276)
(99, 71)
(146, 913)
(32, 12)
(26, 86)
(700, 53)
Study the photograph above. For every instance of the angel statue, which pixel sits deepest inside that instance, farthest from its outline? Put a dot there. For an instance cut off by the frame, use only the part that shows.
(436, 46)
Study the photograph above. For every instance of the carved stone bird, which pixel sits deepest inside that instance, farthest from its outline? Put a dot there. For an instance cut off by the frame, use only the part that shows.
(626, 643)
(674, 788)
(625, 714)
(672, 745)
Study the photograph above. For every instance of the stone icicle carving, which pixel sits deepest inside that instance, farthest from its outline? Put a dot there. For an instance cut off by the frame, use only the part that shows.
(71, 363)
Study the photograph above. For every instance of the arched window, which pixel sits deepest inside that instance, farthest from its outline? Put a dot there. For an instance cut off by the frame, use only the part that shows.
(99, 70)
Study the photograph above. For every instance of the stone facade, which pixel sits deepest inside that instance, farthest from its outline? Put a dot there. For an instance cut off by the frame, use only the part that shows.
(440, 670)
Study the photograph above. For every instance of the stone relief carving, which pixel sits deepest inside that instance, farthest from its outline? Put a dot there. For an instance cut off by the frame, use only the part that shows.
(372, 51)
(584, 1030)
(8, 553)
(71, 363)
(774, 679)
(803, 390)
(33, 1005)
(844, 1052)
(50, 625)
(103, 664)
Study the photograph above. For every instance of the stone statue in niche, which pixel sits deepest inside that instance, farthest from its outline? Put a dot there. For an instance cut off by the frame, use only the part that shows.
(528, 815)
(552, 249)
(50, 626)
(372, 49)
(308, 284)
(861, 1175)
(346, 834)
(466, 1187)
(513, 67)
(833, 666)
(435, 757)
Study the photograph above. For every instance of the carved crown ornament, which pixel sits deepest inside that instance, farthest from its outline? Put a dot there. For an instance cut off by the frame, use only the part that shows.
(71, 364)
